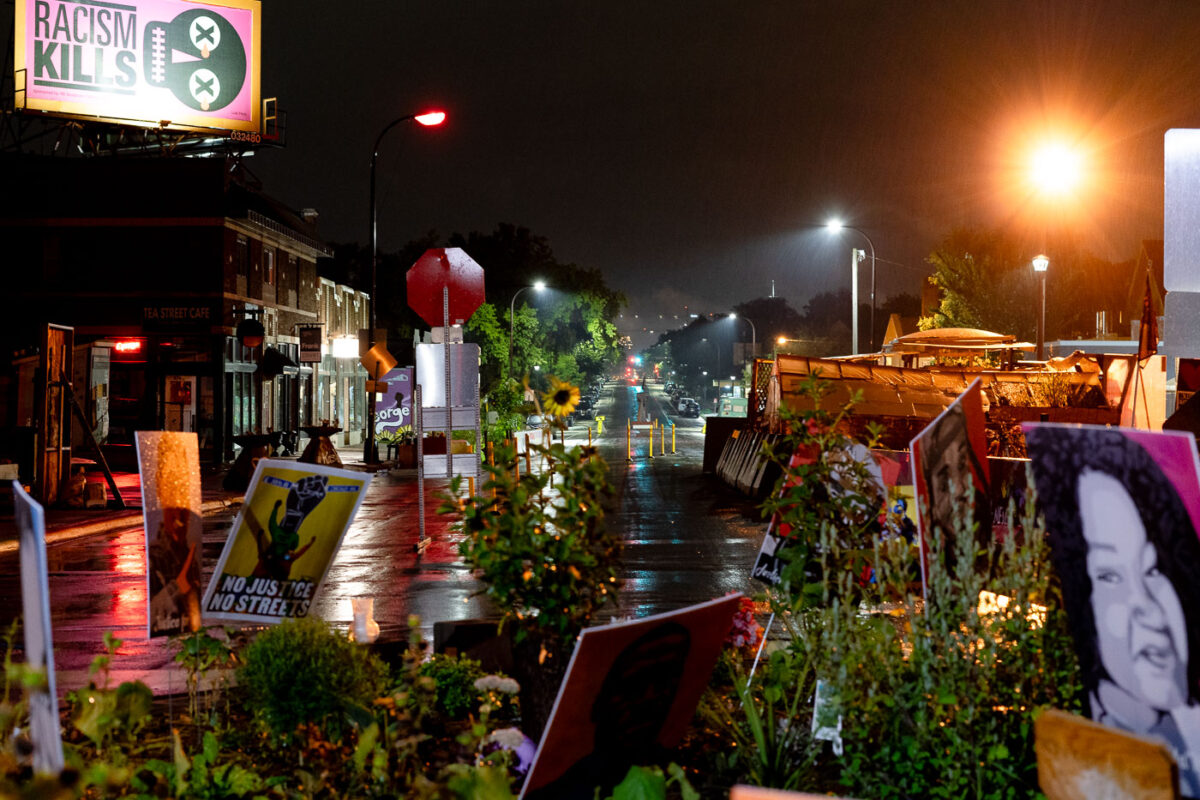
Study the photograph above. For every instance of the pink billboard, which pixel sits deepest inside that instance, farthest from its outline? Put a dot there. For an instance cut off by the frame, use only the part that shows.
(168, 63)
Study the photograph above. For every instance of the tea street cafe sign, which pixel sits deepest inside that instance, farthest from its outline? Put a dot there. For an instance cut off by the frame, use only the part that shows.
(169, 63)
(177, 315)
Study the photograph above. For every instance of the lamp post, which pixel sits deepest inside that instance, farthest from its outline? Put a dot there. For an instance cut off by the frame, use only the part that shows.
(753, 333)
(428, 119)
(512, 313)
(1040, 265)
(716, 353)
(835, 225)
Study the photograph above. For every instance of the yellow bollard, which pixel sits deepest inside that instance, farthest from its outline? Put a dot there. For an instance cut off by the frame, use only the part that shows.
(491, 463)
(672, 437)
(599, 424)
(650, 444)
(662, 440)
(589, 435)
(628, 444)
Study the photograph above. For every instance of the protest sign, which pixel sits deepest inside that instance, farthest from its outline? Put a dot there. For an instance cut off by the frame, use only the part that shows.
(947, 456)
(283, 541)
(393, 409)
(169, 464)
(39, 639)
(1122, 511)
(630, 692)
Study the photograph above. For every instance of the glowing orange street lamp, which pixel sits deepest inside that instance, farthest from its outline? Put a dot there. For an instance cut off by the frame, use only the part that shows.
(1056, 169)
(426, 119)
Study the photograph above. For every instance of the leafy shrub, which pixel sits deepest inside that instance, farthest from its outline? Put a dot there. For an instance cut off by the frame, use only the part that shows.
(543, 553)
(455, 676)
(303, 672)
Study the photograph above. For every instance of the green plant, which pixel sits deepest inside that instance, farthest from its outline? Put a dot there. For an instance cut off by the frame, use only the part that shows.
(773, 748)
(547, 562)
(198, 653)
(402, 435)
(826, 489)
(651, 783)
(103, 714)
(943, 705)
(546, 559)
(201, 777)
(455, 677)
(388, 759)
(304, 672)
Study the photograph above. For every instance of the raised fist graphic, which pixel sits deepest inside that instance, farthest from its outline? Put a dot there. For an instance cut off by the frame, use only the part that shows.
(303, 498)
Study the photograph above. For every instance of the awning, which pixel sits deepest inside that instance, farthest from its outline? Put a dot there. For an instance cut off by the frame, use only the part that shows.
(273, 363)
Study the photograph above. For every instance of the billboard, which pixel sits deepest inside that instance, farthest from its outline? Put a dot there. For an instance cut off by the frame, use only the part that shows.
(178, 64)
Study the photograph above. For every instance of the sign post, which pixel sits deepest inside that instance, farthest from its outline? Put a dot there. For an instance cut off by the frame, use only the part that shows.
(445, 286)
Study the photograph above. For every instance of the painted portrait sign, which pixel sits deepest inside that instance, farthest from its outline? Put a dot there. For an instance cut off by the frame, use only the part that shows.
(283, 541)
(169, 463)
(1122, 510)
(630, 692)
(39, 639)
(947, 456)
(191, 65)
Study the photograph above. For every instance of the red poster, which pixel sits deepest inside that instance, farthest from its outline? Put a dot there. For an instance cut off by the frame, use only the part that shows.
(630, 692)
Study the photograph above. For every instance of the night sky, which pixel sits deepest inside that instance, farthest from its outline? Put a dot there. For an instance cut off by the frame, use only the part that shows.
(683, 147)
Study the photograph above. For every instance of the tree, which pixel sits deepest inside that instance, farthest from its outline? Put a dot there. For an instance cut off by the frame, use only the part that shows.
(987, 281)
(568, 332)
(772, 318)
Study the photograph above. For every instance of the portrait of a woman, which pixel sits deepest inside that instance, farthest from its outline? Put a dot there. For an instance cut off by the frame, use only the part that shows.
(1128, 557)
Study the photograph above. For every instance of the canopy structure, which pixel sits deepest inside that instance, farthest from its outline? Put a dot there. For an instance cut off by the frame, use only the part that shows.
(954, 342)
(906, 398)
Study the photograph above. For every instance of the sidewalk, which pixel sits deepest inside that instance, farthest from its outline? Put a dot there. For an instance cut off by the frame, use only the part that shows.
(65, 524)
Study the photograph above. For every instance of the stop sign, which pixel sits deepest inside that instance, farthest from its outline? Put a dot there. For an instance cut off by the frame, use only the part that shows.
(445, 267)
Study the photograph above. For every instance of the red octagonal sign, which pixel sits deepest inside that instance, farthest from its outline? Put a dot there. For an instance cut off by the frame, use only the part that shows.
(445, 267)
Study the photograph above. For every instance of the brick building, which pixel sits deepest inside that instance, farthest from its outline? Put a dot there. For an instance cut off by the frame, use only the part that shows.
(152, 264)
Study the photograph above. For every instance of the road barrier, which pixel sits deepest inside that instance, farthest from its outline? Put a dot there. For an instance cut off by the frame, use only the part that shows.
(742, 464)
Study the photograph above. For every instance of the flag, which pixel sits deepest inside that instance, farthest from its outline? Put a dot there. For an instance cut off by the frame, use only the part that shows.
(1148, 330)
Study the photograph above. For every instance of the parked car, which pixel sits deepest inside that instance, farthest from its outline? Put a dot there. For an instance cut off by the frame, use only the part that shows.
(681, 405)
(693, 409)
(534, 421)
(670, 387)
(585, 409)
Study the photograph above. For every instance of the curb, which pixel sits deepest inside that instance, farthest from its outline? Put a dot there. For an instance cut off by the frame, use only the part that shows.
(123, 521)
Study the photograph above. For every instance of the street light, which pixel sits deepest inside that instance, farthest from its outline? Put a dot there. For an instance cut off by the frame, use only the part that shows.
(753, 333)
(835, 226)
(512, 312)
(427, 119)
(716, 352)
(1040, 265)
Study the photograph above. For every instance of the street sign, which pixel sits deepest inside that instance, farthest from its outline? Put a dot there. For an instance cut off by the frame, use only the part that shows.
(378, 361)
(375, 386)
(310, 344)
(445, 268)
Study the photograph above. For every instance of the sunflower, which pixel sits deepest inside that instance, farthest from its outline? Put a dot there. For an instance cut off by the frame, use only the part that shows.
(561, 399)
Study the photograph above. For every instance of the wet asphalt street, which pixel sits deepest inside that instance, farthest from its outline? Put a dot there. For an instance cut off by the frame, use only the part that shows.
(688, 539)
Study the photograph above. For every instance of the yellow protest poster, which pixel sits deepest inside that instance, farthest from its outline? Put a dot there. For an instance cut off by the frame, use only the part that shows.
(283, 541)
